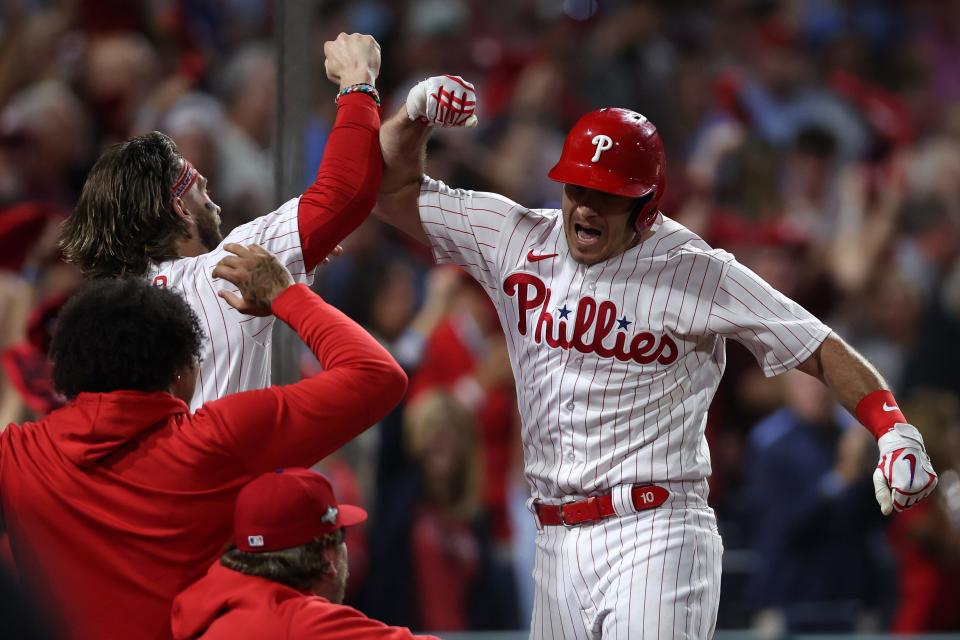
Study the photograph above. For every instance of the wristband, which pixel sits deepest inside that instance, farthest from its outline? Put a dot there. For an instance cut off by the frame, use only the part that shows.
(878, 412)
(362, 87)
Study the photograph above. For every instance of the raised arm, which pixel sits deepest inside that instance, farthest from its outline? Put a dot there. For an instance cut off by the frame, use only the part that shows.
(299, 424)
(444, 101)
(345, 188)
(404, 144)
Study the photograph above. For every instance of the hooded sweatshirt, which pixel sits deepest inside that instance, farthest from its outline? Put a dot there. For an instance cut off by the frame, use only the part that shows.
(226, 604)
(118, 501)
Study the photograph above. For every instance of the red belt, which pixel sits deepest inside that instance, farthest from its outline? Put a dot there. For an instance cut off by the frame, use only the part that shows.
(597, 508)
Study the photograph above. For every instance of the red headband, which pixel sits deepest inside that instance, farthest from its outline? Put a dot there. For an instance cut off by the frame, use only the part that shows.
(188, 175)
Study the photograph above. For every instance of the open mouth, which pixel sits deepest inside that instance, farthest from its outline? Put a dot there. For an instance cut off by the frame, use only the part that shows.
(587, 235)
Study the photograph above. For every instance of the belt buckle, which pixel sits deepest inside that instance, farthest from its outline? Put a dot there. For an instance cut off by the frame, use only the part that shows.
(589, 502)
(567, 525)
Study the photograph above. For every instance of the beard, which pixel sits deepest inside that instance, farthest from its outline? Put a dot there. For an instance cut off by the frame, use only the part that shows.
(208, 231)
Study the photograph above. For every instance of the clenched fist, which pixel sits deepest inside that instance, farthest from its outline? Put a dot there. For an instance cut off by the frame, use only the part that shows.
(352, 59)
(904, 476)
(443, 101)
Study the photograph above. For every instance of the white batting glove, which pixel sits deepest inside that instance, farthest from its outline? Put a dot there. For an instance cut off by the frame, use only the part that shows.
(443, 101)
(905, 475)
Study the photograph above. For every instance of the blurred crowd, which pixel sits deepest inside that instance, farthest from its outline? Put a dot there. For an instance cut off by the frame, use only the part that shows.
(818, 140)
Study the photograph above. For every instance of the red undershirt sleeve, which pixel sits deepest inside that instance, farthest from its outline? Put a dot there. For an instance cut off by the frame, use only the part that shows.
(345, 189)
(299, 424)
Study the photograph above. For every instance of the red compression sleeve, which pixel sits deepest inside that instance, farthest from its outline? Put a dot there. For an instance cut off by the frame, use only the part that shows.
(299, 424)
(345, 189)
(878, 412)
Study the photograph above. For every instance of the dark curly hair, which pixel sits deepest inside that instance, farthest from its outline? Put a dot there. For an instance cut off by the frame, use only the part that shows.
(123, 334)
(124, 219)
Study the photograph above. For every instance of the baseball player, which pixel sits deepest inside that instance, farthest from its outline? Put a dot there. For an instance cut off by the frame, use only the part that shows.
(146, 211)
(616, 319)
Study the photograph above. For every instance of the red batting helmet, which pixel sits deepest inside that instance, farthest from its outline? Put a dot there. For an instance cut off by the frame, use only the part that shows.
(615, 151)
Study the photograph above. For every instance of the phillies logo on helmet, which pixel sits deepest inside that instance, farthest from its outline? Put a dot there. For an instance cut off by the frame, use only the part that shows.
(600, 317)
(602, 143)
(632, 153)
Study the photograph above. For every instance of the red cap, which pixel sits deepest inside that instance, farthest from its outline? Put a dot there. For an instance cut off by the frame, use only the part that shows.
(288, 508)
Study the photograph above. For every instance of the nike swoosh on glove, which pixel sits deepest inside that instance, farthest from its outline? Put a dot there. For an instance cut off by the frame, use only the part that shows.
(443, 101)
(904, 475)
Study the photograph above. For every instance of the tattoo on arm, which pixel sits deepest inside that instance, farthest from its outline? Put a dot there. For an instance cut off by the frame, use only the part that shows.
(265, 282)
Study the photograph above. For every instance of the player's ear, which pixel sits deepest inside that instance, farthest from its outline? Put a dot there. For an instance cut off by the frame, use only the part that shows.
(180, 209)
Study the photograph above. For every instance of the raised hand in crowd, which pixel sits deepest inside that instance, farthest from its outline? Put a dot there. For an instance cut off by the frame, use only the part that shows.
(870, 201)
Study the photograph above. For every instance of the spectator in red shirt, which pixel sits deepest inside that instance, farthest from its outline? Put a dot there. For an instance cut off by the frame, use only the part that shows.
(467, 355)
(434, 559)
(286, 574)
(118, 501)
(926, 540)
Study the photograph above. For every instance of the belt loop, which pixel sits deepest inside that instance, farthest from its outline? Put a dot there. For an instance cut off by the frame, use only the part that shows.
(623, 499)
(536, 516)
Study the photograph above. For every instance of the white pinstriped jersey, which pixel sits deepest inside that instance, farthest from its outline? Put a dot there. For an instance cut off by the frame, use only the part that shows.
(236, 352)
(616, 363)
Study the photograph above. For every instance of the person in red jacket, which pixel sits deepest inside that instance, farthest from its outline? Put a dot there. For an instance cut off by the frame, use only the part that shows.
(285, 575)
(121, 499)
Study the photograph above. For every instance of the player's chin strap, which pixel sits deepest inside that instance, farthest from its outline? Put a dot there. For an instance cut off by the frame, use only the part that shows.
(641, 224)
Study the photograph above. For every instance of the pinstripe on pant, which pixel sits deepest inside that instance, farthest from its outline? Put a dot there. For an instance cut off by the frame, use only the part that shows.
(654, 574)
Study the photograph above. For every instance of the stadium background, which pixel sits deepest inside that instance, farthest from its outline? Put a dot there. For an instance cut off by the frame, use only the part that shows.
(819, 140)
